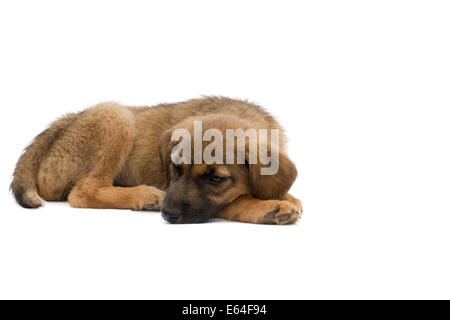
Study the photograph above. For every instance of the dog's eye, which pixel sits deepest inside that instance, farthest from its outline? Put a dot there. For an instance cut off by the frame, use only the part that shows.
(216, 179)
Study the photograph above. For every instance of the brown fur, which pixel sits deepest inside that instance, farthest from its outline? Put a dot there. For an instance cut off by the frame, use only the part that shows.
(112, 156)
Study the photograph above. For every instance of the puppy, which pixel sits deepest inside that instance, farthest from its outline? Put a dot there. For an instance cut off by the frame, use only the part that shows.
(117, 157)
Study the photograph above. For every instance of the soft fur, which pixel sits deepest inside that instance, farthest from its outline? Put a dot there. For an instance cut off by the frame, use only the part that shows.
(113, 156)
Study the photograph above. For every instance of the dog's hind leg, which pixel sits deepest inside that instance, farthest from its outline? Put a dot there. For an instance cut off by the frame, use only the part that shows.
(91, 155)
(92, 192)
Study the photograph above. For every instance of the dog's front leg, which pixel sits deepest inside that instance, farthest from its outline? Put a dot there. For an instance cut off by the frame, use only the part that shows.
(252, 210)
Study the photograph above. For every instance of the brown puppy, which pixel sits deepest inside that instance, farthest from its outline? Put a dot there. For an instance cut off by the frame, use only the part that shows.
(111, 156)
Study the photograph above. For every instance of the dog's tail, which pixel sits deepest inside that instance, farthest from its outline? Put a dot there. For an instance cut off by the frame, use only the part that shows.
(24, 185)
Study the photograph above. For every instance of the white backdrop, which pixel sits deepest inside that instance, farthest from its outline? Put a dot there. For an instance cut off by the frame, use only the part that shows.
(362, 88)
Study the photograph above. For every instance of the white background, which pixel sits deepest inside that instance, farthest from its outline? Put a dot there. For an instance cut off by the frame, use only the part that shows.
(362, 88)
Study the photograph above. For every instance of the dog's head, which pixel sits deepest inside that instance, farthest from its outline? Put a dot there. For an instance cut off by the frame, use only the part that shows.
(198, 191)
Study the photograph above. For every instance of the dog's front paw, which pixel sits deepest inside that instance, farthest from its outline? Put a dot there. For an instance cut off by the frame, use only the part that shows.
(284, 212)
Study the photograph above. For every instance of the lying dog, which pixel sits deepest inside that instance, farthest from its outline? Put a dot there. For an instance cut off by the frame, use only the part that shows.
(117, 157)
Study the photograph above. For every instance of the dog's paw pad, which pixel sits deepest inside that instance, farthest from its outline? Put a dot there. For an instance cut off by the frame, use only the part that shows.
(289, 218)
(284, 214)
(155, 206)
(284, 217)
(269, 217)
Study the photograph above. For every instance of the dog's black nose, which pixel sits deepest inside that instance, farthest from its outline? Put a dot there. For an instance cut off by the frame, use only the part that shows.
(171, 215)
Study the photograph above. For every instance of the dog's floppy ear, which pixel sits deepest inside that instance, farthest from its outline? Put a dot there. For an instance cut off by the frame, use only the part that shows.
(272, 186)
(165, 148)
